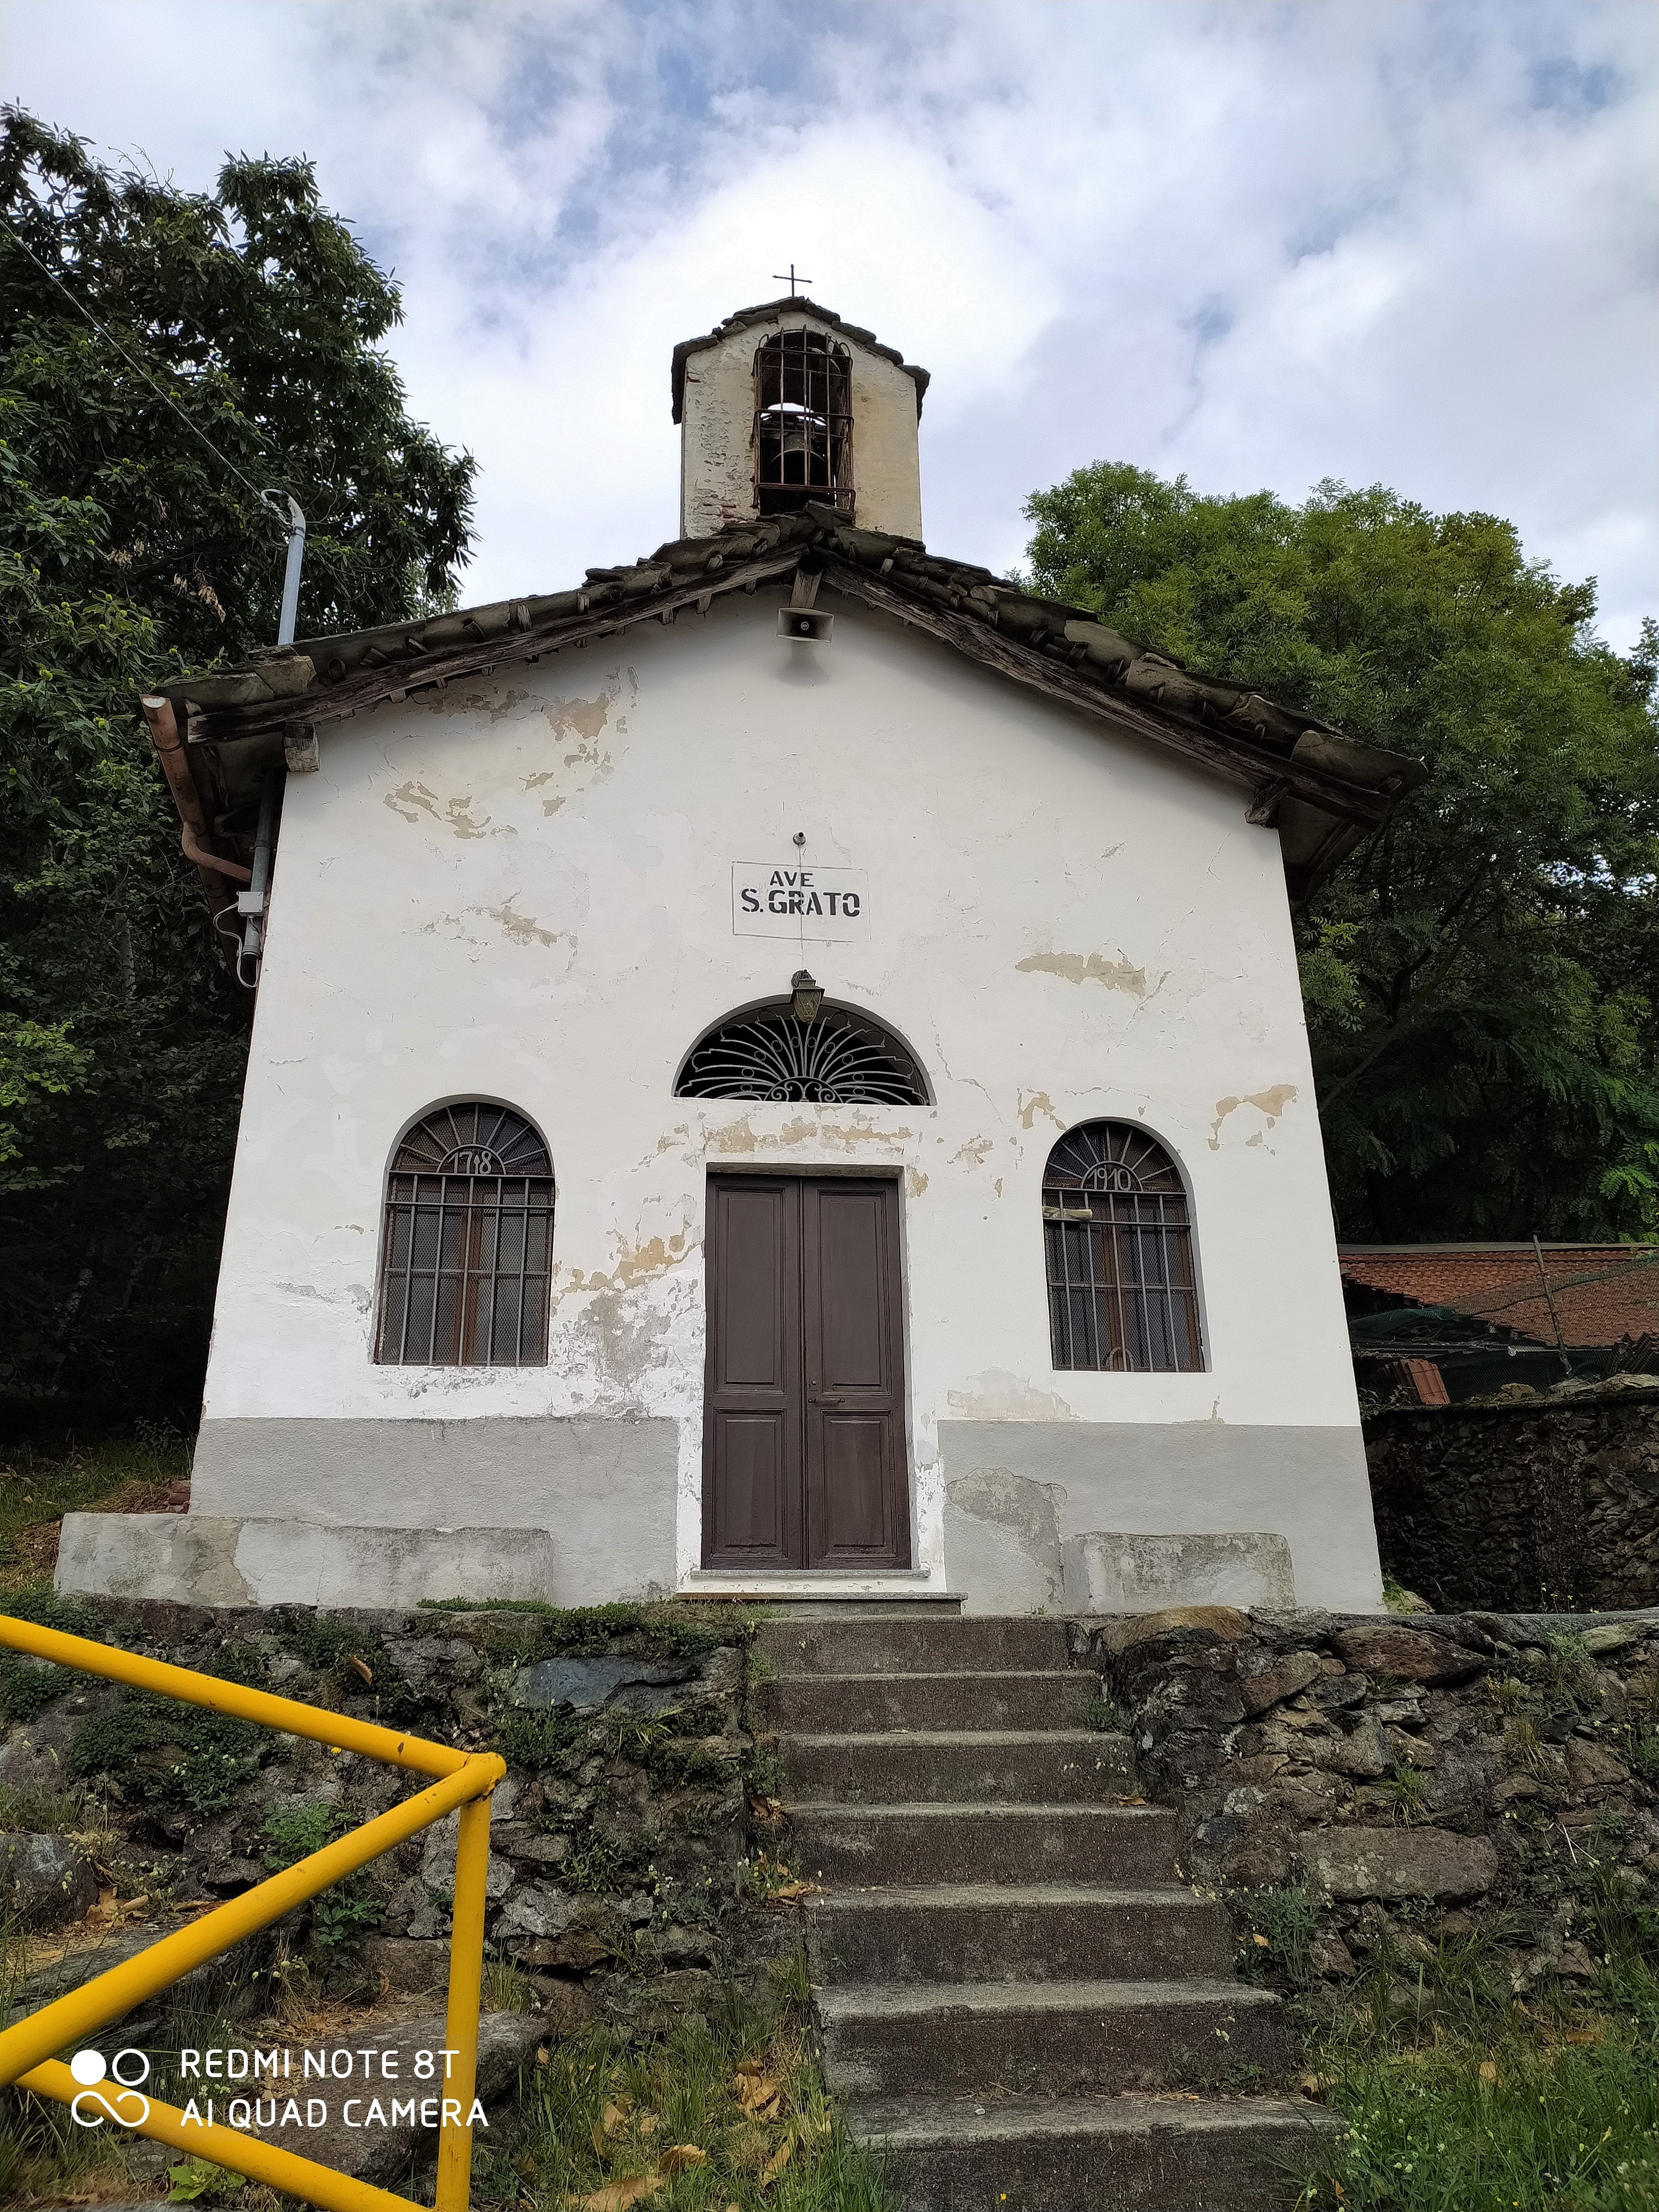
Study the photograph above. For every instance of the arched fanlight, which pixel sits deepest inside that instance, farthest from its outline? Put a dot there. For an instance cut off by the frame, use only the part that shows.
(831, 1057)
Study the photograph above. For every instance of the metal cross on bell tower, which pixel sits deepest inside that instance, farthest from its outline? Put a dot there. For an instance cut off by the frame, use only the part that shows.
(794, 288)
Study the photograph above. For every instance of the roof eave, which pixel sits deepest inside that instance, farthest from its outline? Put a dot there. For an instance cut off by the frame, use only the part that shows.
(1323, 791)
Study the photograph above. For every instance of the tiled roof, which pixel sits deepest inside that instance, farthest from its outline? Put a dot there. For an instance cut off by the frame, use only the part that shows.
(746, 318)
(1601, 1292)
(1323, 790)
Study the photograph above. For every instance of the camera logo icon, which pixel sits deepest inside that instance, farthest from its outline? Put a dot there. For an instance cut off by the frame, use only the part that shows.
(109, 2089)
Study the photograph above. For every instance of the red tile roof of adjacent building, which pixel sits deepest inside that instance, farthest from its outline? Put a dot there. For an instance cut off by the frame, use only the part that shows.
(1602, 1292)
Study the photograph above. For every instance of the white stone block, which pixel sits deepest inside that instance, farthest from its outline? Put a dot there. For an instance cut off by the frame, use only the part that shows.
(196, 1559)
(1107, 1571)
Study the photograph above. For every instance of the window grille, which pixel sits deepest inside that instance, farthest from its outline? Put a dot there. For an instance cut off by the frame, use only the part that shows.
(803, 423)
(1122, 1292)
(837, 1060)
(466, 1253)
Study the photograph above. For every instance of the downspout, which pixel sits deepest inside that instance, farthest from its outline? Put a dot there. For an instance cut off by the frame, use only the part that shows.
(251, 902)
(214, 871)
(163, 728)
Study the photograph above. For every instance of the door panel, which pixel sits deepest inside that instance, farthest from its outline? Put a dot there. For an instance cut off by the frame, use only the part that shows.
(754, 1253)
(852, 1283)
(804, 1462)
(858, 1505)
(752, 1492)
(752, 1449)
(855, 1516)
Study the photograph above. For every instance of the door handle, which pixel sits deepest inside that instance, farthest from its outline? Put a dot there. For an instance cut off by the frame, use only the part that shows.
(826, 1402)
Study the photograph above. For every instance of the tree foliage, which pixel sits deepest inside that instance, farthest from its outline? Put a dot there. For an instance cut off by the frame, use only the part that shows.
(131, 549)
(1479, 975)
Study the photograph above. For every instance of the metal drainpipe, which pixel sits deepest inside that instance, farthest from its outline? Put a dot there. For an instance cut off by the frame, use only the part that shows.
(251, 904)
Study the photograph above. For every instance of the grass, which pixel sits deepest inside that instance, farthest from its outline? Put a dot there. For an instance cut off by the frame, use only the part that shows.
(1105, 1713)
(1278, 1932)
(44, 2156)
(27, 1810)
(133, 1474)
(725, 2110)
(1477, 2101)
(1398, 1598)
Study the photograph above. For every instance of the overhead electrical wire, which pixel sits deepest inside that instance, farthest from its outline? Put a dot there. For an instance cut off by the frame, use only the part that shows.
(162, 393)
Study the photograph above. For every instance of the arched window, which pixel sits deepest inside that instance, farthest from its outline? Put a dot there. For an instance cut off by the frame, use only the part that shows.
(1122, 1292)
(803, 423)
(837, 1059)
(468, 1243)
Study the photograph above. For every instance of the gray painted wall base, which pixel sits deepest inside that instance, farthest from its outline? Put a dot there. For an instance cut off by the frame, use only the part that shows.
(601, 1492)
(196, 1559)
(1020, 1496)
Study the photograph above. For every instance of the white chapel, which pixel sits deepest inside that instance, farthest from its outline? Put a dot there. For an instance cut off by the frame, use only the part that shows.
(776, 1071)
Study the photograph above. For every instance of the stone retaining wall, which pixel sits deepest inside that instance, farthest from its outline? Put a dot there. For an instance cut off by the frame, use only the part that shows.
(619, 1843)
(1550, 1503)
(1395, 1782)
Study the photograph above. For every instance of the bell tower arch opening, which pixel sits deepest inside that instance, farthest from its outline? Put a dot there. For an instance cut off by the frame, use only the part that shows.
(803, 422)
(774, 404)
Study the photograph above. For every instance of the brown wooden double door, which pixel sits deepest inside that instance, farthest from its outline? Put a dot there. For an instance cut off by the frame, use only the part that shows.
(803, 1453)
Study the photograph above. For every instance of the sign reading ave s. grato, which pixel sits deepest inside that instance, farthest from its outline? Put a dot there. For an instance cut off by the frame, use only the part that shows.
(828, 904)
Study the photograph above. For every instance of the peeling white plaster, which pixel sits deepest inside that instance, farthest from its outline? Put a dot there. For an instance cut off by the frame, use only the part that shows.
(1272, 1104)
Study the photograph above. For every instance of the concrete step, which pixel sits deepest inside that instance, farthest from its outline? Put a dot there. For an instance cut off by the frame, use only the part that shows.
(876, 1846)
(1001, 1932)
(861, 1705)
(1067, 1766)
(1047, 2039)
(978, 1645)
(1132, 2153)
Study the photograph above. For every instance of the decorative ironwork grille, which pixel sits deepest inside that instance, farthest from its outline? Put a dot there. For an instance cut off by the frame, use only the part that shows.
(1121, 1294)
(803, 423)
(467, 1250)
(839, 1060)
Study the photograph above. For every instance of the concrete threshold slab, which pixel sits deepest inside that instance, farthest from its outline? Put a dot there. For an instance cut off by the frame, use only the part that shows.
(829, 1592)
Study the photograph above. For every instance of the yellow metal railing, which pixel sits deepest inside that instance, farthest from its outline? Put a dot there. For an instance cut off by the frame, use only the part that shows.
(464, 1781)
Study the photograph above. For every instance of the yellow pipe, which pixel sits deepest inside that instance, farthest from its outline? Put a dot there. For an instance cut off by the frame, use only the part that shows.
(259, 1705)
(461, 2016)
(58, 2026)
(278, 2169)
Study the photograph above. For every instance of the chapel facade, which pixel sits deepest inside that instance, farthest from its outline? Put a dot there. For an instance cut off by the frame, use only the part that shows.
(779, 1071)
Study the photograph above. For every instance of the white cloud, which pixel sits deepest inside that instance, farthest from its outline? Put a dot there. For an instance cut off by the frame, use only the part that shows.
(1264, 244)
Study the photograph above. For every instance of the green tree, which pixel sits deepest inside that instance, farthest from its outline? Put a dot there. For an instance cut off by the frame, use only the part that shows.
(131, 548)
(1479, 975)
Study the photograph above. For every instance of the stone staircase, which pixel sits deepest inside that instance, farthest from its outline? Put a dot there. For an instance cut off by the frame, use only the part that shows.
(1017, 1998)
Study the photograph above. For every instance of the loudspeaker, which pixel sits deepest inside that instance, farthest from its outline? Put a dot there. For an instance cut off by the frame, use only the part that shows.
(805, 625)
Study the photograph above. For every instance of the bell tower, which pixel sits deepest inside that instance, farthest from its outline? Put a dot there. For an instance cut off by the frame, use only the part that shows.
(784, 404)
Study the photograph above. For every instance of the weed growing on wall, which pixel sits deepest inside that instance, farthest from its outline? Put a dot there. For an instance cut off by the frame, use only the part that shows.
(344, 1917)
(1277, 1930)
(27, 1684)
(353, 1663)
(152, 1748)
(1106, 1714)
(524, 1631)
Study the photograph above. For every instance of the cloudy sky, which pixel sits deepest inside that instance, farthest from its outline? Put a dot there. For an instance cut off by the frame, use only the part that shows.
(1261, 241)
